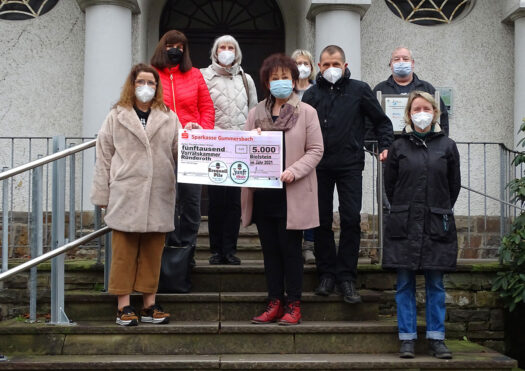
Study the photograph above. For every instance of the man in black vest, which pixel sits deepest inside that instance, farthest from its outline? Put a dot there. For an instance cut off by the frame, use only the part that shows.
(342, 104)
(403, 80)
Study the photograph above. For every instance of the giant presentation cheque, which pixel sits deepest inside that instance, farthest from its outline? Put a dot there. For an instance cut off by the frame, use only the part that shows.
(230, 158)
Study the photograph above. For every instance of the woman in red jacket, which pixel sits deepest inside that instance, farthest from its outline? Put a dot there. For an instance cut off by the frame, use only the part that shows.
(185, 93)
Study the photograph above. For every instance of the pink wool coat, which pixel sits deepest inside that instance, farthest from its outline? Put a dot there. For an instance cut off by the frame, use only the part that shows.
(135, 170)
(304, 149)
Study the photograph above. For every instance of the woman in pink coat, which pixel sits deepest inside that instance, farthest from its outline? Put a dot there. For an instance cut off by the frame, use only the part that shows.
(282, 214)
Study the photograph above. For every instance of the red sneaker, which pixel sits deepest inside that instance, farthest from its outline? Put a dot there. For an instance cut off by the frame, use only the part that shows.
(292, 314)
(274, 311)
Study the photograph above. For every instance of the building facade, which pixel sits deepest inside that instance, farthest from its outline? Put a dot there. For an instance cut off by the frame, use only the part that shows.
(64, 61)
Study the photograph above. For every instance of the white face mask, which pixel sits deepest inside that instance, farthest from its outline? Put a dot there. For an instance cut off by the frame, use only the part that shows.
(304, 71)
(333, 74)
(144, 93)
(422, 119)
(226, 57)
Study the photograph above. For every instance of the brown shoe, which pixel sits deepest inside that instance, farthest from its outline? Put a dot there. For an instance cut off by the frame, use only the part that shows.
(127, 316)
(154, 314)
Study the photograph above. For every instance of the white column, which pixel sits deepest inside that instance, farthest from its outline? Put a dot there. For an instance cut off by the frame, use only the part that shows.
(519, 75)
(514, 11)
(339, 23)
(107, 62)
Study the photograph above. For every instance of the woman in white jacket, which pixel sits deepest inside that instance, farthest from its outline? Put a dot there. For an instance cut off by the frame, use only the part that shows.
(233, 94)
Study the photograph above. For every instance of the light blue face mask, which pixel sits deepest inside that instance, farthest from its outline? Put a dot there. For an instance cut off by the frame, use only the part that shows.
(402, 69)
(281, 88)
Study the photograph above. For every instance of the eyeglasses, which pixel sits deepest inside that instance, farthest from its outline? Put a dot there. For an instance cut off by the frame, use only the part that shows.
(150, 83)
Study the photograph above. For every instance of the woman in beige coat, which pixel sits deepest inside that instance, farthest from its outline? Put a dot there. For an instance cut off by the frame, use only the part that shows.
(135, 181)
(282, 214)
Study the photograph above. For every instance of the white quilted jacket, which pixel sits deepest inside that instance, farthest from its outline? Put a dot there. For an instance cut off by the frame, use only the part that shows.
(229, 95)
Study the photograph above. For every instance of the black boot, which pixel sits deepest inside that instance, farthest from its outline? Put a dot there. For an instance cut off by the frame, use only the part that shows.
(326, 286)
(407, 349)
(349, 292)
(438, 349)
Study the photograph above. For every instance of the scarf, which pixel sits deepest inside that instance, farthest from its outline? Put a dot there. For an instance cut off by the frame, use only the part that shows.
(225, 71)
(287, 117)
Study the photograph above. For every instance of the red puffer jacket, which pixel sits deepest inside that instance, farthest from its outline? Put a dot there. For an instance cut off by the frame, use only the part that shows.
(192, 98)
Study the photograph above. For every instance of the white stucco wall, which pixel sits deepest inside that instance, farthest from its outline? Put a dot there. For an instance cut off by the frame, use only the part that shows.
(41, 74)
(474, 57)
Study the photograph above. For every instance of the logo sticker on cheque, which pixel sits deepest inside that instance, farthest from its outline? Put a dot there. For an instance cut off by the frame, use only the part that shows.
(217, 171)
(239, 172)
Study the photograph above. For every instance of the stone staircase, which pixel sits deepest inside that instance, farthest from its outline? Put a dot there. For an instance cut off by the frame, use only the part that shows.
(210, 326)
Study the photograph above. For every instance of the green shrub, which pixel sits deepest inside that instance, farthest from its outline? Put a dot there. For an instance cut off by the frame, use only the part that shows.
(510, 283)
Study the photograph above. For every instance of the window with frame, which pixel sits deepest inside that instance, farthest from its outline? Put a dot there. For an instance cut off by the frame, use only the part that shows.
(430, 12)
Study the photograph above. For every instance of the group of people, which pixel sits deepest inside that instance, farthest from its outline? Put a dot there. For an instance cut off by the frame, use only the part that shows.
(324, 118)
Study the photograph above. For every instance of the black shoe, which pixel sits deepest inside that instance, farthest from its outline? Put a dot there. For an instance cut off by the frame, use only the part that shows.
(215, 259)
(349, 292)
(231, 260)
(407, 349)
(326, 286)
(438, 349)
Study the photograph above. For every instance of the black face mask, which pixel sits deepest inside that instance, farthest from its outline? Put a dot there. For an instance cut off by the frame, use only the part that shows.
(175, 56)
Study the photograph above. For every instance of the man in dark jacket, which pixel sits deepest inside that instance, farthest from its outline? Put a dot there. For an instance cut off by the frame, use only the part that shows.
(342, 105)
(403, 80)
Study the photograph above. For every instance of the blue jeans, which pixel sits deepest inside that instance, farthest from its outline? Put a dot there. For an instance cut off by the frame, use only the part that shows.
(406, 304)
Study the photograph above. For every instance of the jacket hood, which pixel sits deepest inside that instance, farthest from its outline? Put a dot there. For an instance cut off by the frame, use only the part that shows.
(323, 82)
(409, 133)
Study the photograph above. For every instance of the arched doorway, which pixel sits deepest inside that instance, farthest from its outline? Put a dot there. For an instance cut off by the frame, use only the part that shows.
(257, 25)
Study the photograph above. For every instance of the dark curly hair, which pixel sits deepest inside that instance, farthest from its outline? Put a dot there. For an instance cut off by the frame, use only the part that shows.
(272, 63)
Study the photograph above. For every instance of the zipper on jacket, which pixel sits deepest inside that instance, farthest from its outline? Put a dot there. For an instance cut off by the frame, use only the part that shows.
(173, 93)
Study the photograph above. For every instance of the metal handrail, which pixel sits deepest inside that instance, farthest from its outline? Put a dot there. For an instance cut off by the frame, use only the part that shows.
(51, 254)
(493, 198)
(45, 160)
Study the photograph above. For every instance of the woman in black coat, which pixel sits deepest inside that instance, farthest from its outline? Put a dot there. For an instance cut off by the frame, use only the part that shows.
(422, 183)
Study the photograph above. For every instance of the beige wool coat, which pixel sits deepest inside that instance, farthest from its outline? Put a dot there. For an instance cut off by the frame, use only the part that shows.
(304, 149)
(135, 170)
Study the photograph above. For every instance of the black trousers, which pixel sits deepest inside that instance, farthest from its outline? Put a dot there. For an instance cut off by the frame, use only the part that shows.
(187, 216)
(224, 219)
(283, 260)
(341, 264)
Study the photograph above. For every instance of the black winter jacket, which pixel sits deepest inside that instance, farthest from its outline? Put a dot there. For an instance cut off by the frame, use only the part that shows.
(422, 182)
(342, 108)
(389, 86)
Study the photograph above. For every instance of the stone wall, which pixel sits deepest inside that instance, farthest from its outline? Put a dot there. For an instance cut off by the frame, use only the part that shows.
(473, 310)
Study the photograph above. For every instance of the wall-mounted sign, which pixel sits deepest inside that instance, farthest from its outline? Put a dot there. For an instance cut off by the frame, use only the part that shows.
(446, 96)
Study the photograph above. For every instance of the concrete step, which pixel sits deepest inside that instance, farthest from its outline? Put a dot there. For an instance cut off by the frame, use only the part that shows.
(251, 249)
(209, 338)
(477, 358)
(224, 306)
